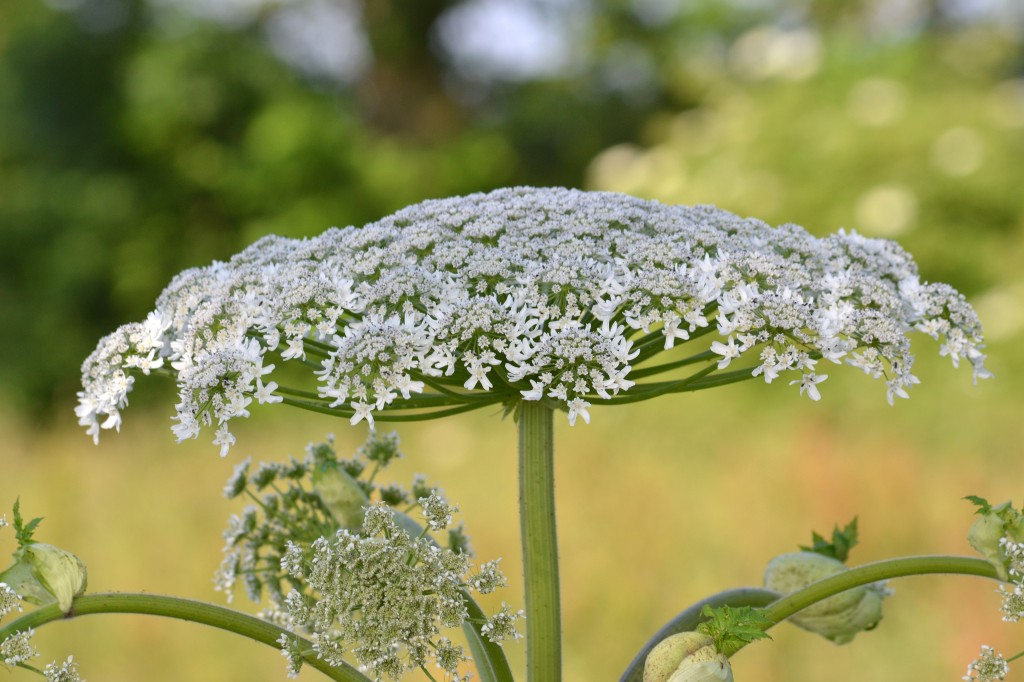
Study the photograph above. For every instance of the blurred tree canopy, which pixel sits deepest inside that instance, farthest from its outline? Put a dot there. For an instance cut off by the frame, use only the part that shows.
(141, 137)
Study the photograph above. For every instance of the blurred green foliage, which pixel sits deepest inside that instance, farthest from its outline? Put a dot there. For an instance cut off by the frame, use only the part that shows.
(138, 138)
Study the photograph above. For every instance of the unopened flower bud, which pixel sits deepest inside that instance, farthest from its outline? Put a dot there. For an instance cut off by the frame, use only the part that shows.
(838, 618)
(687, 657)
(992, 526)
(44, 574)
(344, 498)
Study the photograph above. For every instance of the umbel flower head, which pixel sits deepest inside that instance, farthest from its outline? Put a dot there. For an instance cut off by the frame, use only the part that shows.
(568, 297)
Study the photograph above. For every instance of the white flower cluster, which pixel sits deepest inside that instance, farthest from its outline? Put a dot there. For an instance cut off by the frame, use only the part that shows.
(384, 595)
(9, 600)
(525, 294)
(1012, 607)
(988, 667)
(62, 672)
(18, 648)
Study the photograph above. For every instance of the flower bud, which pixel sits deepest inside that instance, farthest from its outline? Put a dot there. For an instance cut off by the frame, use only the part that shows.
(43, 574)
(687, 657)
(992, 526)
(344, 498)
(838, 618)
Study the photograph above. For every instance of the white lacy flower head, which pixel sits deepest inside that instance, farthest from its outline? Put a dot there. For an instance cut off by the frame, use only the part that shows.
(556, 295)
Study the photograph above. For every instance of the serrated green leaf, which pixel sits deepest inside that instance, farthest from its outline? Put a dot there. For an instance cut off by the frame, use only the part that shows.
(842, 542)
(732, 628)
(23, 531)
(983, 505)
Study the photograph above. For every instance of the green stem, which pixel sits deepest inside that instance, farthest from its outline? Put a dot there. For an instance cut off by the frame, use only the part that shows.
(540, 545)
(691, 617)
(871, 573)
(182, 609)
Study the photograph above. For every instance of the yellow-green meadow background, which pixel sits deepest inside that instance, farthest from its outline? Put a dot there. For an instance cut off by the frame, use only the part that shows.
(141, 137)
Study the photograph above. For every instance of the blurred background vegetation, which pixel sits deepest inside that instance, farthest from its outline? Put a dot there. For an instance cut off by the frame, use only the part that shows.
(141, 137)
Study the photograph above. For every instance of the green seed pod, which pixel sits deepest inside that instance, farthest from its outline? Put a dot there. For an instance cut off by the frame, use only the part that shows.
(43, 574)
(838, 618)
(687, 657)
(341, 494)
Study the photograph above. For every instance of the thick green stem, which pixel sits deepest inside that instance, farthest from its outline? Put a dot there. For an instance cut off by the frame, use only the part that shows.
(182, 609)
(870, 573)
(540, 545)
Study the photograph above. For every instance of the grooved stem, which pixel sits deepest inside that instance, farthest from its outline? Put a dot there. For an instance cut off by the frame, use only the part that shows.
(540, 544)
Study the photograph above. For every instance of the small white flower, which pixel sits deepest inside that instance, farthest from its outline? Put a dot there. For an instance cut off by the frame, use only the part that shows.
(225, 439)
(728, 351)
(478, 374)
(578, 408)
(809, 384)
(363, 411)
(536, 391)
(265, 393)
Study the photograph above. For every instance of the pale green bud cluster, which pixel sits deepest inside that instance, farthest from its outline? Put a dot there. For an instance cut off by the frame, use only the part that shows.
(687, 657)
(838, 618)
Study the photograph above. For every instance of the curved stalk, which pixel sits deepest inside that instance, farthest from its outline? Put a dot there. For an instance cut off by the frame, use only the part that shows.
(540, 544)
(871, 573)
(182, 609)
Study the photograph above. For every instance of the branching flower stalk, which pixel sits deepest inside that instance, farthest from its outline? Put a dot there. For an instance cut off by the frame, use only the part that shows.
(535, 300)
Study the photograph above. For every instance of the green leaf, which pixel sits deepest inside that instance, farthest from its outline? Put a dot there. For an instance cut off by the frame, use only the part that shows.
(732, 628)
(842, 542)
(23, 531)
(983, 506)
